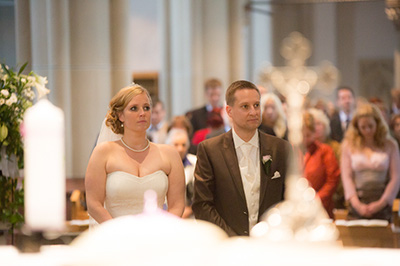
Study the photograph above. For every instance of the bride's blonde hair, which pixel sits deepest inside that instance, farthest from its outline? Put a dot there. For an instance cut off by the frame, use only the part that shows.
(118, 104)
(353, 135)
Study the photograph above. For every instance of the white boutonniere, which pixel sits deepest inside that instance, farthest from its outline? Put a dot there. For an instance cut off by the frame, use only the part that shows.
(267, 160)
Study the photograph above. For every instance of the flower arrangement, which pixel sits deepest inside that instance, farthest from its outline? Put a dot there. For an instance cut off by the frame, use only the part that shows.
(267, 160)
(16, 96)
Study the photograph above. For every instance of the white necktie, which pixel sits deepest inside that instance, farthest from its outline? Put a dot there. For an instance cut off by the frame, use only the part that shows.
(247, 161)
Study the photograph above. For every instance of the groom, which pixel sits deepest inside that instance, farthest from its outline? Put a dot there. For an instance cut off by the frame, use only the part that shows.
(241, 173)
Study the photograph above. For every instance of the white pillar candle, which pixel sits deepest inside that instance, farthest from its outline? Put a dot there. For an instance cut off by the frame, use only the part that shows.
(44, 154)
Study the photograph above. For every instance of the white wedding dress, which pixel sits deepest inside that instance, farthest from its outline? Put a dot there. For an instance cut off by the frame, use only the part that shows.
(125, 191)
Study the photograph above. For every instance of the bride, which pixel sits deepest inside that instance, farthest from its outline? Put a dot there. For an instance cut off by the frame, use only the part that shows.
(120, 172)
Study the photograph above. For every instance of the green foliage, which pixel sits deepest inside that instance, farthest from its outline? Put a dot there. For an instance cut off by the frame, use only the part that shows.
(11, 202)
(16, 96)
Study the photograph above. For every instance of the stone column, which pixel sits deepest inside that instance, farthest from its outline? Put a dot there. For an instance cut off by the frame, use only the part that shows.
(49, 24)
(121, 68)
(72, 42)
(23, 33)
(258, 39)
(90, 75)
(176, 72)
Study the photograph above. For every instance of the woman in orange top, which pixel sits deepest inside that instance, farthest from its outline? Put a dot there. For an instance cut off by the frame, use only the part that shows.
(321, 168)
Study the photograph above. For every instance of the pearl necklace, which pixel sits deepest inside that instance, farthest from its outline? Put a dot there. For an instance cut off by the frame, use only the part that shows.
(145, 148)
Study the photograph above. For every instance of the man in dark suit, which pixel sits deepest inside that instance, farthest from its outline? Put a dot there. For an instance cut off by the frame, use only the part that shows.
(342, 117)
(241, 173)
(198, 117)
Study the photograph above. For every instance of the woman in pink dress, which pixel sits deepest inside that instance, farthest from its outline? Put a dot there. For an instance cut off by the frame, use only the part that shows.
(370, 165)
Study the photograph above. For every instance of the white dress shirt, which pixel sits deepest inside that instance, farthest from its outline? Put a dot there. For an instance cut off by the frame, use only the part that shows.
(249, 163)
(344, 119)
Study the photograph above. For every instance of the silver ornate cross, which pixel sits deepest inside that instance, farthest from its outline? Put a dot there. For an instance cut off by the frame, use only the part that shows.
(300, 217)
(295, 80)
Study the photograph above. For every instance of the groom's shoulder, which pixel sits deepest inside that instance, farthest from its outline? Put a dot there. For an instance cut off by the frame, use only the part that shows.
(217, 140)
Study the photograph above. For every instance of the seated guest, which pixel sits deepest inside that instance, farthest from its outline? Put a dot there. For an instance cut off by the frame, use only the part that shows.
(395, 127)
(340, 120)
(179, 138)
(213, 91)
(381, 106)
(181, 122)
(215, 127)
(323, 130)
(370, 165)
(322, 134)
(273, 116)
(395, 108)
(198, 117)
(157, 131)
(327, 107)
(321, 168)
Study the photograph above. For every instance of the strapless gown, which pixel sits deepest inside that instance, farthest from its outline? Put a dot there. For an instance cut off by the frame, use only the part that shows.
(125, 192)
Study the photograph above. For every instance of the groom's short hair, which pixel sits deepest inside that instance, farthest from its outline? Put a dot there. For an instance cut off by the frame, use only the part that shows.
(238, 85)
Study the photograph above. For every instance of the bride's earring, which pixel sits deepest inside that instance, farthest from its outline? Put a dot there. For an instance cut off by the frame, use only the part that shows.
(122, 124)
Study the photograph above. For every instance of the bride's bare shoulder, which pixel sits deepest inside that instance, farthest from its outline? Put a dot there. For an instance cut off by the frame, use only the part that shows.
(107, 146)
(165, 148)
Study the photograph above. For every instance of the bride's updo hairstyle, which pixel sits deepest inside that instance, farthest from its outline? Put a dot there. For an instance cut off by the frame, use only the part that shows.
(118, 104)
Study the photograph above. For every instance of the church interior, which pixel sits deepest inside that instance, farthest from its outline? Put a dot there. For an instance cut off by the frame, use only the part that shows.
(89, 49)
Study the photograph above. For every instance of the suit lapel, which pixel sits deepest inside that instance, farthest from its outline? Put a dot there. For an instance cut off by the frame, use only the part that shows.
(232, 163)
(264, 150)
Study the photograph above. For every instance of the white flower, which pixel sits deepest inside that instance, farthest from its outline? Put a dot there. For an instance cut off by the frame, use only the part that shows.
(31, 81)
(5, 93)
(41, 80)
(13, 99)
(31, 95)
(23, 80)
(2, 101)
(40, 86)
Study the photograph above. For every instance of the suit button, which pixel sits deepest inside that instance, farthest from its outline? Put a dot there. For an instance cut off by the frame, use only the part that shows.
(245, 213)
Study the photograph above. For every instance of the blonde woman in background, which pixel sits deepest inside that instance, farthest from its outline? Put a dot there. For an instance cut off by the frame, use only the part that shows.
(370, 165)
(273, 116)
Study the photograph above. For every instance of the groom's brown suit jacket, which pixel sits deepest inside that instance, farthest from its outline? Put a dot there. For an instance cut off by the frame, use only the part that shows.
(218, 189)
